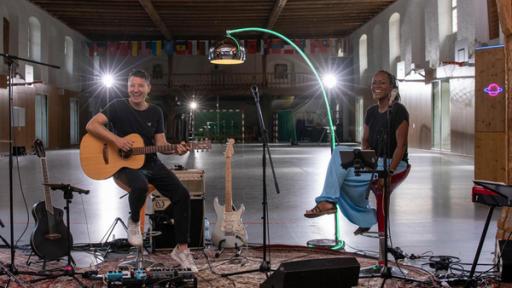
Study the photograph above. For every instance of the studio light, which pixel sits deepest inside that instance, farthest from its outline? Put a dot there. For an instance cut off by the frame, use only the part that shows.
(107, 80)
(193, 105)
(329, 80)
(227, 52)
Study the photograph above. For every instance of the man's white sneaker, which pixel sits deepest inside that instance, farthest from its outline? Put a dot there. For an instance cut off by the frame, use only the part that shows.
(185, 259)
(134, 235)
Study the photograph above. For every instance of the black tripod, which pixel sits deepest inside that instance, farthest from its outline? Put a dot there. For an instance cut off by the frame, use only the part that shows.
(10, 60)
(1, 237)
(69, 269)
(265, 265)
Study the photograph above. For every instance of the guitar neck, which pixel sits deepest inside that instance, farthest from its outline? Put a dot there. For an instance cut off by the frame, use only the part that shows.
(169, 148)
(47, 194)
(228, 193)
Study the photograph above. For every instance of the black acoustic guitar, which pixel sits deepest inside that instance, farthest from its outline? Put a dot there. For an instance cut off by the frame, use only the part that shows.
(50, 239)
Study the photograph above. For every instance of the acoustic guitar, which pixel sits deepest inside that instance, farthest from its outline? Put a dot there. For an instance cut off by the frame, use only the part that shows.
(229, 231)
(100, 159)
(50, 239)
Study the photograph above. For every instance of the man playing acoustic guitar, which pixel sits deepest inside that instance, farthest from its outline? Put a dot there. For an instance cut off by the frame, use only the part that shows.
(135, 115)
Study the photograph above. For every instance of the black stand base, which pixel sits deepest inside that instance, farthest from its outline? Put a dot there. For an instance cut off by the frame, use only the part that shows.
(10, 271)
(327, 243)
(386, 272)
(264, 268)
(67, 271)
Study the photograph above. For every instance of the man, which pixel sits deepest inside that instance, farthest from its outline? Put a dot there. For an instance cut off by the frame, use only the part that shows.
(135, 115)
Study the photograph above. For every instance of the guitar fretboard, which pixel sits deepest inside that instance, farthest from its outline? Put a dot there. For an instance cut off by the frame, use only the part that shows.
(228, 196)
(166, 148)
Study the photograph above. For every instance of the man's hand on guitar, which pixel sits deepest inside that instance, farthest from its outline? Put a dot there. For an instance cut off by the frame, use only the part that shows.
(123, 143)
(182, 148)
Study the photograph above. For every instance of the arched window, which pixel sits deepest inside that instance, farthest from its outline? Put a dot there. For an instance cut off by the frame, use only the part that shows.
(454, 16)
(34, 39)
(68, 53)
(394, 39)
(363, 54)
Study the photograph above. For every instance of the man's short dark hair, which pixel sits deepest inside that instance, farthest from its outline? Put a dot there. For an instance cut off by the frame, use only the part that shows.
(140, 74)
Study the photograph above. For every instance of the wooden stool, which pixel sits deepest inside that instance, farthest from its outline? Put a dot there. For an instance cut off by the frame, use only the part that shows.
(142, 213)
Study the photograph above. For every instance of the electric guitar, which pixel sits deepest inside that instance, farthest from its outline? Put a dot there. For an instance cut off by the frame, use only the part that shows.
(51, 239)
(229, 231)
(100, 159)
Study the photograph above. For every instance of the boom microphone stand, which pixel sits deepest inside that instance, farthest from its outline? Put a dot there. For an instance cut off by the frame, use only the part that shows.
(10, 59)
(265, 265)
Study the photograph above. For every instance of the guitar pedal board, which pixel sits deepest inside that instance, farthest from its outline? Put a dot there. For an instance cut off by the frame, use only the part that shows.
(151, 277)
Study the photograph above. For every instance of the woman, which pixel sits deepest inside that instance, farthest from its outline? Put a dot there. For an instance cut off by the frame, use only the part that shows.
(342, 186)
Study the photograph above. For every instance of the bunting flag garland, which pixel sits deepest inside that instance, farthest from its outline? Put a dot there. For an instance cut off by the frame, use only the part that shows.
(252, 47)
(124, 48)
(135, 48)
(158, 48)
(91, 47)
(200, 47)
(194, 47)
(101, 48)
(112, 48)
(168, 48)
(180, 47)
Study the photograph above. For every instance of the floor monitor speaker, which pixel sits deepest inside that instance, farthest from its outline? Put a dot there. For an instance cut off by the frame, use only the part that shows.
(331, 272)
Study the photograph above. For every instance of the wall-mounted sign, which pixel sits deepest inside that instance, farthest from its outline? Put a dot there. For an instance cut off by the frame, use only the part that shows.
(493, 89)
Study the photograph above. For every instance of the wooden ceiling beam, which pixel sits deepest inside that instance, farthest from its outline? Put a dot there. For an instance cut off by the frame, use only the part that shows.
(148, 6)
(276, 11)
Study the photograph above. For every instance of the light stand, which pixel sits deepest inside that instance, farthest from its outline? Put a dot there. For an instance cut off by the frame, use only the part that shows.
(10, 59)
(265, 265)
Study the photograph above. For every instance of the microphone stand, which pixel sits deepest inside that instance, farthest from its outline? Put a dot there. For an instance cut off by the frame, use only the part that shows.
(386, 272)
(265, 265)
(10, 59)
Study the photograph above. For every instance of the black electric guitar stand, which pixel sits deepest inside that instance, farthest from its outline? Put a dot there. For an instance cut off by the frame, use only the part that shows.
(69, 269)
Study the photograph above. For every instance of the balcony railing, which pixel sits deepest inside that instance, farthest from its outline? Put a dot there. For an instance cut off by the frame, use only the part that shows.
(235, 80)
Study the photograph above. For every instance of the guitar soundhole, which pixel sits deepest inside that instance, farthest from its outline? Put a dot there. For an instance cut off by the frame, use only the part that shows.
(53, 236)
(125, 154)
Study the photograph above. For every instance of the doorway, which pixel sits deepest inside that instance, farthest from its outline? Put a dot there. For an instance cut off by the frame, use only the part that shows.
(441, 138)
(42, 118)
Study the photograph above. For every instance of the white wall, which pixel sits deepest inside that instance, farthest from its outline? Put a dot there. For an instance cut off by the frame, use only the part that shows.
(426, 37)
(52, 43)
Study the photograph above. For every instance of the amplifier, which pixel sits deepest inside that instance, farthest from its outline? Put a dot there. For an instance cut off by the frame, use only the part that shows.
(162, 220)
(192, 179)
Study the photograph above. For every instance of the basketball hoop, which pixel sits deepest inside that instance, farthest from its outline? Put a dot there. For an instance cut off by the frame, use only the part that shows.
(460, 64)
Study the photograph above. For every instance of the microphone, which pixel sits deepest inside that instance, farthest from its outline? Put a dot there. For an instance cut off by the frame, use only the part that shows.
(64, 187)
(392, 96)
(254, 91)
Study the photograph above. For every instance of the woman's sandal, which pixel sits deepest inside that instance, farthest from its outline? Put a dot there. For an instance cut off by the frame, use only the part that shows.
(317, 211)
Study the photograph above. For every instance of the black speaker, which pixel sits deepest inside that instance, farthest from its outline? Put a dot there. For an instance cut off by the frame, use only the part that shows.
(19, 151)
(331, 272)
(505, 264)
(163, 222)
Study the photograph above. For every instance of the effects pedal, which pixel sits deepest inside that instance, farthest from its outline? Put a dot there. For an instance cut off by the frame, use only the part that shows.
(152, 277)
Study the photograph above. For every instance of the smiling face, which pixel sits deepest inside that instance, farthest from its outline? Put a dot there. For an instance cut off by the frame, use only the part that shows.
(138, 90)
(381, 86)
